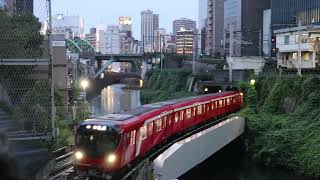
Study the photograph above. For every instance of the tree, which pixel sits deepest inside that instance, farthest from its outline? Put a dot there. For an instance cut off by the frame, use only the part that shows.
(20, 36)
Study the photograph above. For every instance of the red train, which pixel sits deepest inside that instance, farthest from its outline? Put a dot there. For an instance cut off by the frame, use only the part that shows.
(107, 144)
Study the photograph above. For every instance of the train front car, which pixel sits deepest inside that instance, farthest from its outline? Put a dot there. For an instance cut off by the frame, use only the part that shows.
(97, 149)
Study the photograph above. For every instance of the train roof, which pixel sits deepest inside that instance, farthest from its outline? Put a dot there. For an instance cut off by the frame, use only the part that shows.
(110, 119)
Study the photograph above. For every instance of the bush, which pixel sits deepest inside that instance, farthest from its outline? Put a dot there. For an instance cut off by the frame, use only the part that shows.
(279, 138)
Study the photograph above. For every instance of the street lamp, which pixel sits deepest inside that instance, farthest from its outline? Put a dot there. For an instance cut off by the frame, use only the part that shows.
(252, 82)
(84, 84)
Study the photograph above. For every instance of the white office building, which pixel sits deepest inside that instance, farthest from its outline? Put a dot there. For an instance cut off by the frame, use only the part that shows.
(113, 40)
(72, 26)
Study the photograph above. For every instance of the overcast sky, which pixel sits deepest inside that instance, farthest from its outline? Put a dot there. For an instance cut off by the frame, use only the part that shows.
(107, 12)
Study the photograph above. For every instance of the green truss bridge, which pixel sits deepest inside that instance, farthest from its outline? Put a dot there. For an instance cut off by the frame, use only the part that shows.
(79, 46)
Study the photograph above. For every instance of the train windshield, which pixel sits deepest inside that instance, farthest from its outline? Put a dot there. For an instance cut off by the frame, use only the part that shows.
(97, 142)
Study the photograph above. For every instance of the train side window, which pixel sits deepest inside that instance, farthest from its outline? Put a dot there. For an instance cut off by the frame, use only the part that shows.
(133, 137)
(143, 132)
(181, 115)
(199, 109)
(164, 121)
(204, 108)
(208, 107)
(194, 111)
(212, 106)
(158, 125)
(176, 117)
(150, 127)
(220, 104)
(228, 101)
(188, 113)
(169, 119)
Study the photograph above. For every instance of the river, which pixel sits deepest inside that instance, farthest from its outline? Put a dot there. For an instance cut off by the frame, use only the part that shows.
(230, 163)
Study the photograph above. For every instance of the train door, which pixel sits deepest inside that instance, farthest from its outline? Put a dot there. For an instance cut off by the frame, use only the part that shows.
(168, 128)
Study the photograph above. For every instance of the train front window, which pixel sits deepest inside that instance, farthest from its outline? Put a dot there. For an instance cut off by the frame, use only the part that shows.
(97, 142)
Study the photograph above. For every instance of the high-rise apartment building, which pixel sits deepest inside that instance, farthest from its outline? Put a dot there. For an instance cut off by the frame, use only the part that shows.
(156, 22)
(215, 27)
(285, 13)
(185, 41)
(246, 19)
(147, 30)
(202, 24)
(101, 39)
(183, 23)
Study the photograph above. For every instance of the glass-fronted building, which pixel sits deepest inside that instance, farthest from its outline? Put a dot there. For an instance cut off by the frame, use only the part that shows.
(2, 4)
(286, 12)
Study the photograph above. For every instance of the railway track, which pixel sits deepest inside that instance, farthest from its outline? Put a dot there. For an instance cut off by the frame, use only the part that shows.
(64, 164)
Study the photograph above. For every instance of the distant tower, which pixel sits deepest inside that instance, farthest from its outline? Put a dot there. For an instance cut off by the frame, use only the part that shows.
(147, 30)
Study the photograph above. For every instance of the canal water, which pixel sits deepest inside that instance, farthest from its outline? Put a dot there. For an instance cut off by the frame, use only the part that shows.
(230, 163)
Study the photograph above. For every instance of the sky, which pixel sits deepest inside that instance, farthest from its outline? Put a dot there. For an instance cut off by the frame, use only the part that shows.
(107, 12)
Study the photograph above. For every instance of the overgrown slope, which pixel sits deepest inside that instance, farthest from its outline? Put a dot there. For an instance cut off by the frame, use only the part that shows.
(165, 85)
(283, 120)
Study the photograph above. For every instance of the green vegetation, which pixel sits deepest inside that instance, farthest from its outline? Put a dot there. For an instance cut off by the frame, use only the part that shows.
(20, 36)
(283, 121)
(165, 85)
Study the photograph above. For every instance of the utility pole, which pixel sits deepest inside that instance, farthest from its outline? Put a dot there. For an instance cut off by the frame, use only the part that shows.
(299, 47)
(195, 50)
(230, 54)
(53, 110)
(161, 53)
(260, 42)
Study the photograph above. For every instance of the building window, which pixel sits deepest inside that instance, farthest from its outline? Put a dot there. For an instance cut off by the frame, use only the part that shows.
(306, 56)
(286, 39)
(188, 113)
(158, 125)
(150, 128)
(133, 137)
(143, 132)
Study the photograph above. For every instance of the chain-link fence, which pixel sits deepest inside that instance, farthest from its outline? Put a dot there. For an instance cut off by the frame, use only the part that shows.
(25, 69)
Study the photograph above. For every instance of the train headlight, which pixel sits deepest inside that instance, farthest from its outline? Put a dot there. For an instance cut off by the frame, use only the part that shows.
(111, 158)
(78, 155)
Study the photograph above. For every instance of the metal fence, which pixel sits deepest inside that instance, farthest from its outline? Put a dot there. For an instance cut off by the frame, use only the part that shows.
(25, 77)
